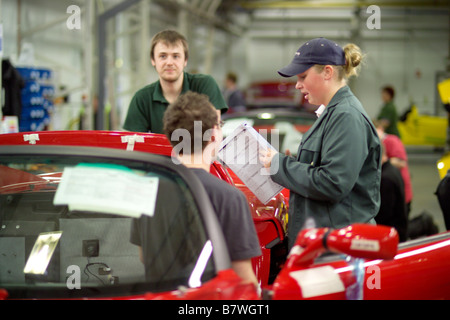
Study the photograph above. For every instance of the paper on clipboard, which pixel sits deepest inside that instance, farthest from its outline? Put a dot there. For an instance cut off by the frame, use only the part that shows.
(240, 152)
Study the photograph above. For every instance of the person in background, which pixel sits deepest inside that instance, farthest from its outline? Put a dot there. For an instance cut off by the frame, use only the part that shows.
(233, 96)
(396, 153)
(169, 56)
(192, 112)
(392, 209)
(334, 180)
(443, 195)
(388, 113)
(423, 224)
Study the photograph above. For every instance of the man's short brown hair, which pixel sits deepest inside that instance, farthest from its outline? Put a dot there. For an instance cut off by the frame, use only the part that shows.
(389, 90)
(191, 109)
(169, 37)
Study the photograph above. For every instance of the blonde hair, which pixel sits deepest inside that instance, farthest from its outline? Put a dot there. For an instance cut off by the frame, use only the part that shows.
(353, 60)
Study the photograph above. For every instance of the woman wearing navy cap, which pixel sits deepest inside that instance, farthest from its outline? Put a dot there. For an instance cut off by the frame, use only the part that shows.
(335, 179)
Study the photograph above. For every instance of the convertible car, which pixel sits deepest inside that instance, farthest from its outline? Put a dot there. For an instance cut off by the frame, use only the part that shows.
(33, 168)
(72, 204)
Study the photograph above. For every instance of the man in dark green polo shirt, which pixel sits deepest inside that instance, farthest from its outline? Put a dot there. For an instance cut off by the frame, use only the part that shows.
(169, 55)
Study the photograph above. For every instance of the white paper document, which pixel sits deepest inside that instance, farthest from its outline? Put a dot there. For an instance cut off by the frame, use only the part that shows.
(107, 190)
(240, 152)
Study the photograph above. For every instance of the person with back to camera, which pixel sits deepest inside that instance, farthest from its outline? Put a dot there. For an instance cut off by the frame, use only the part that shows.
(334, 180)
(392, 191)
(231, 207)
(169, 55)
(396, 153)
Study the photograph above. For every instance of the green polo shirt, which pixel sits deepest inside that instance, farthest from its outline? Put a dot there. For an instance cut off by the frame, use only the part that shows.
(148, 105)
(389, 112)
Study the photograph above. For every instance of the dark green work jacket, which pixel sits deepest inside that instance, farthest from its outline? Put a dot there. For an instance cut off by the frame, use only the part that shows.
(335, 179)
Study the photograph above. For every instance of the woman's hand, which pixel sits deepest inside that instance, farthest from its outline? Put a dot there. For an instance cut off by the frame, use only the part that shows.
(266, 156)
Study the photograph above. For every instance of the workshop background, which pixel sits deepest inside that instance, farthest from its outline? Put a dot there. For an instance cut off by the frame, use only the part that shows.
(84, 59)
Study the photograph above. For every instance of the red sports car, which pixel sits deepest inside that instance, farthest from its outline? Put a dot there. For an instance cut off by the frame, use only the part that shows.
(69, 201)
(89, 227)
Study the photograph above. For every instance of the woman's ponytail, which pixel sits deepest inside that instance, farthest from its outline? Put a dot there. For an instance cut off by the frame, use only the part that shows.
(353, 59)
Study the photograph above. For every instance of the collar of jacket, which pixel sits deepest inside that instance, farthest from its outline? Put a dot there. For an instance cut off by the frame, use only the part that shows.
(337, 98)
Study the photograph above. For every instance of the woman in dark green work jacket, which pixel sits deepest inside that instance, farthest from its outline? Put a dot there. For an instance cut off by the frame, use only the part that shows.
(335, 179)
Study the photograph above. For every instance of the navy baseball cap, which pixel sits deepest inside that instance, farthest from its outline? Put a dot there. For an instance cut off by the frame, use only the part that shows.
(316, 51)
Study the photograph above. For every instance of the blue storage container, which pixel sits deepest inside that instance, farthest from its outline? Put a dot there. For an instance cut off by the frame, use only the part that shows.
(32, 125)
(33, 113)
(36, 74)
(36, 88)
(37, 98)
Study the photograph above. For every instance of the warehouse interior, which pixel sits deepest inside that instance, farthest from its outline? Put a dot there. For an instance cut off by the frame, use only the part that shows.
(98, 53)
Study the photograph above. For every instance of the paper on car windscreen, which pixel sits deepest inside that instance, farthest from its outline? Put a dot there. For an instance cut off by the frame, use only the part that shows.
(107, 189)
(240, 152)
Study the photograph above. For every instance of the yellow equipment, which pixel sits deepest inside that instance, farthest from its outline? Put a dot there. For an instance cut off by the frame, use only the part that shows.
(419, 129)
(444, 91)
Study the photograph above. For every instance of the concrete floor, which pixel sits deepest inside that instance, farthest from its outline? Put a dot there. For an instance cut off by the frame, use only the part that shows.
(425, 179)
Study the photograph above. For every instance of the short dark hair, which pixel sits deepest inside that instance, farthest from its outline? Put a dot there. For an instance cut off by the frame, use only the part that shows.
(169, 37)
(189, 108)
(232, 77)
(389, 90)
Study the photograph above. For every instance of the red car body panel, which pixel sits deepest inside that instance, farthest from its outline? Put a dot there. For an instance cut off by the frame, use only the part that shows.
(416, 271)
(273, 93)
(225, 286)
(268, 128)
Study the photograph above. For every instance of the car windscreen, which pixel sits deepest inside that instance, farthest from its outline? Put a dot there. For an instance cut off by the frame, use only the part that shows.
(75, 226)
